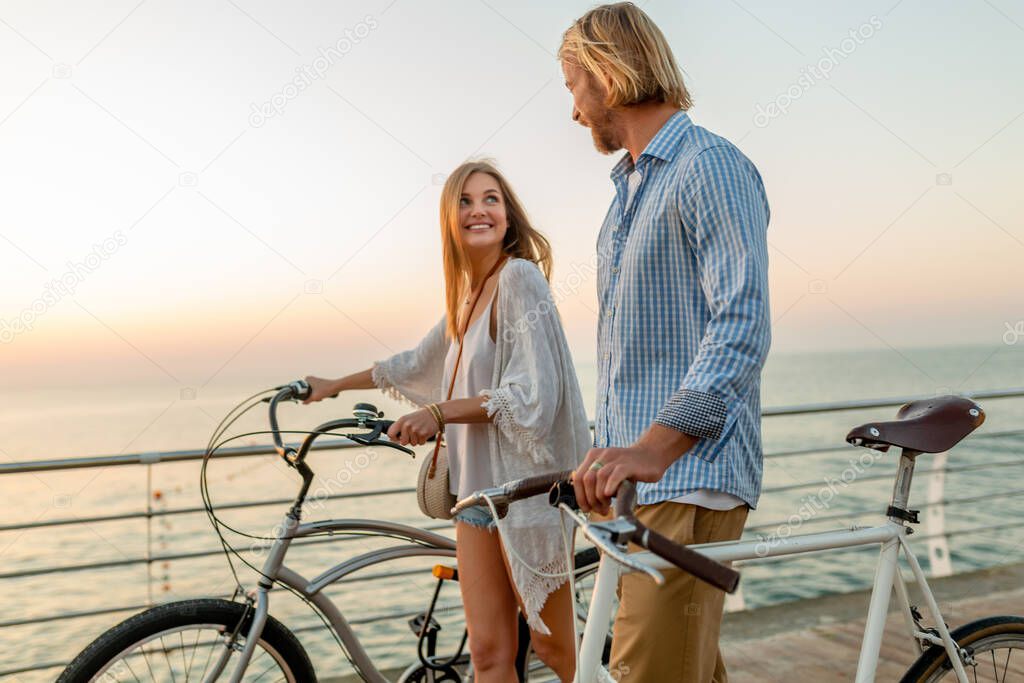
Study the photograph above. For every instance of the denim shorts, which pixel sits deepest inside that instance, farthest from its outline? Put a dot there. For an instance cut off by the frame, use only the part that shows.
(478, 516)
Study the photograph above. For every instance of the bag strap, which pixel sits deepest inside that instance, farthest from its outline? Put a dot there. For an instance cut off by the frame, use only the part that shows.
(458, 357)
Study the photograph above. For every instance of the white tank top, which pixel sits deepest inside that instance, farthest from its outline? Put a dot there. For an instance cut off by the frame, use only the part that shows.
(469, 457)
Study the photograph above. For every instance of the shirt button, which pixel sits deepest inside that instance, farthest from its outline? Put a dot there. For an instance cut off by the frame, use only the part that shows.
(608, 311)
(615, 269)
(607, 356)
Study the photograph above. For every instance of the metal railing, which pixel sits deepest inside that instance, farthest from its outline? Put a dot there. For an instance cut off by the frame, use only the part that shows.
(936, 536)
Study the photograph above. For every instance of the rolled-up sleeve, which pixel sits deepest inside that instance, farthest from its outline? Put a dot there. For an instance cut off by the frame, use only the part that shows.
(724, 214)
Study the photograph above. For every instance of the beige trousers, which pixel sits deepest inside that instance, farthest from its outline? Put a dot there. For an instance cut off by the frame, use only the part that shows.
(669, 633)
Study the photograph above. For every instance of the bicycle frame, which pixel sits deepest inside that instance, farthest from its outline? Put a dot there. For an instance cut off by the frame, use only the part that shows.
(892, 537)
(421, 543)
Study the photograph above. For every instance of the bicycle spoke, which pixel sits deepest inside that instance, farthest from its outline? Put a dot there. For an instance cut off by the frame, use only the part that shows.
(181, 637)
(209, 655)
(130, 670)
(145, 656)
(265, 672)
(994, 669)
(167, 658)
(192, 659)
(1009, 651)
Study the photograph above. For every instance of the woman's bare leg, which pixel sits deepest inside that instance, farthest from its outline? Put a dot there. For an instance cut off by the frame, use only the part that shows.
(555, 649)
(489, 602)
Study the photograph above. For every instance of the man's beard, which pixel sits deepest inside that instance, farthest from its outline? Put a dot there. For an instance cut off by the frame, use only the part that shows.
(606, 138)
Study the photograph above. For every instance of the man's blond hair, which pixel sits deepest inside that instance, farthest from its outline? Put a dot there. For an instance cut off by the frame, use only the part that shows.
(621, 46)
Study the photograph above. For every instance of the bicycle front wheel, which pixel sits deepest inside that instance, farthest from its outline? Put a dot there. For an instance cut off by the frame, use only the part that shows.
(990, 645)
(190, 640)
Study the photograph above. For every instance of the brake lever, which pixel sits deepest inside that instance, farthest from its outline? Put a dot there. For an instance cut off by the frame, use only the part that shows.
(361, 439)
(603, 538)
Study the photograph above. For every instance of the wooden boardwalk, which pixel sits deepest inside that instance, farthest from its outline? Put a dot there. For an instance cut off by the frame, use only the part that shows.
(819, 639)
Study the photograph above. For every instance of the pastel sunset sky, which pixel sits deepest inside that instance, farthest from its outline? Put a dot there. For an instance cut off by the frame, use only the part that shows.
(245, 185)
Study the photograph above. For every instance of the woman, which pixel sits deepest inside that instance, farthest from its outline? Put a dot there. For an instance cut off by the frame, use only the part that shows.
(516, 411)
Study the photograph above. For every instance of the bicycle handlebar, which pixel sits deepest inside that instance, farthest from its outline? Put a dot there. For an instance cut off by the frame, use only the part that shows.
(704, 568)
(519, 489)
(534, 486)
(625, 528)
(366, 418)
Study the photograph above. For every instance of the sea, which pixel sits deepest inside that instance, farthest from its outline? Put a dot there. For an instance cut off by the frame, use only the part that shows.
(983, 489)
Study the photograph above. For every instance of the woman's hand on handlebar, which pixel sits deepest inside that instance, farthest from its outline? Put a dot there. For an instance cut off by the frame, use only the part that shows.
(320, 389)
(413, 429)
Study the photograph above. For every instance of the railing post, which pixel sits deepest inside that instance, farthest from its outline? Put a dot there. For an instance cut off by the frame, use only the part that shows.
(149, 534)
(939, 561)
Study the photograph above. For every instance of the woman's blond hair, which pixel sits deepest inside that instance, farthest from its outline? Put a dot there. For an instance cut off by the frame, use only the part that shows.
(621, 46)
(522, 240)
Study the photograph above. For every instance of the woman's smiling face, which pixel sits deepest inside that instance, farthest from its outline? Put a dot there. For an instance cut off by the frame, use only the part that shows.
(482, 215)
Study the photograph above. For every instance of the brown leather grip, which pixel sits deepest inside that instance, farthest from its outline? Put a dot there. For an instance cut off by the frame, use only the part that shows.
(703, 567)
(534, 486)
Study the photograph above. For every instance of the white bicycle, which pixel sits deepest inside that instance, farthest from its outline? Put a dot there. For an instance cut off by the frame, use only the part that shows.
(978, 651)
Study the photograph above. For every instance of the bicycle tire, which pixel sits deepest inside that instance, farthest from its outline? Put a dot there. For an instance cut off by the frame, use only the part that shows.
(977, 637)
(104, 652)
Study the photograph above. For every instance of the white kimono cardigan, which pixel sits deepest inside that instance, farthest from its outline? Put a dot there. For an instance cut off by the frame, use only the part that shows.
(539, 424)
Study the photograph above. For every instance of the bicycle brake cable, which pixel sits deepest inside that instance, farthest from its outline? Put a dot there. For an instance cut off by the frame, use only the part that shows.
(229, 550)
(512, 551)
(217, 523)
(222, 427)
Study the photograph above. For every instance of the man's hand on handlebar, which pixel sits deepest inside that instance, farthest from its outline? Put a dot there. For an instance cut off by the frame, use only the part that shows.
(611, 536)
(646, 460)
(414, 429)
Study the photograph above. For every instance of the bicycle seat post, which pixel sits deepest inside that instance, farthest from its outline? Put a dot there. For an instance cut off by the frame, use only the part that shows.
(898, 511)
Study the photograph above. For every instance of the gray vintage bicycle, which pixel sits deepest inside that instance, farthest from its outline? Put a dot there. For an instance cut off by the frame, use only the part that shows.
(211, 639)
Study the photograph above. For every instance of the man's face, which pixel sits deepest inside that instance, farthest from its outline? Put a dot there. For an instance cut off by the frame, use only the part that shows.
(588, 107)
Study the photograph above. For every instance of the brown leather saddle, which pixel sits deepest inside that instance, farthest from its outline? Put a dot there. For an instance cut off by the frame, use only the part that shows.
(931, 425)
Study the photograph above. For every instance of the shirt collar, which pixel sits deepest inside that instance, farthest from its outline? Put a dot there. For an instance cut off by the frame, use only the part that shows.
(664, 145)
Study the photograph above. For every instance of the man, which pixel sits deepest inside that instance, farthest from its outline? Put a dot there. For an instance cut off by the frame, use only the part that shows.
(682, 335)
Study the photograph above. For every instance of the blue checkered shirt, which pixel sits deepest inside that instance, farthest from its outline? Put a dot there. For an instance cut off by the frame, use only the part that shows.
(684, 325)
